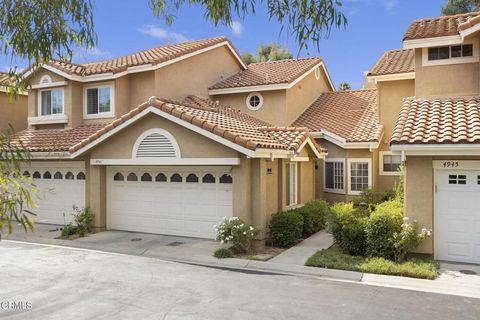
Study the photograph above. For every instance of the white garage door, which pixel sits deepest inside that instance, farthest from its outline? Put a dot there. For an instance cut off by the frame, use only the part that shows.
(458, 216)
(60, 187)
(186, 201)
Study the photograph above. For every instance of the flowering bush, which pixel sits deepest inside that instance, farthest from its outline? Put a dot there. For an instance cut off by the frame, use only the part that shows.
(235, 231)
(408, 238)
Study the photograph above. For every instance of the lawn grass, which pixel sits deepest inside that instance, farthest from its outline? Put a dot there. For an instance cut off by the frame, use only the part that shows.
(333, 258)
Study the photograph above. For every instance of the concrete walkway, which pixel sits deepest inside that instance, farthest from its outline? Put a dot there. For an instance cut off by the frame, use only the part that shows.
(299, 254)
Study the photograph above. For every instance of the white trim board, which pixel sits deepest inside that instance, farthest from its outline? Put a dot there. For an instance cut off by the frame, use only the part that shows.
(432, 42)
(392, 77)
(168, 162)
(342, 142)
(437, 149)
(280, 86)
(146, 67)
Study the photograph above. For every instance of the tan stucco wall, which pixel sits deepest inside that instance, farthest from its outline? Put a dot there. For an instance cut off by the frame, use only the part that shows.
(446, 80)
(14, 112)
(304, 93)
(196, 74)
(192, 145)
(273, 110)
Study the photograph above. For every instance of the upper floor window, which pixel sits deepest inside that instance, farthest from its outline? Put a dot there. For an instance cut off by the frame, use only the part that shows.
(461, 53)
(51, 102)
(99, 101)
(254, 101)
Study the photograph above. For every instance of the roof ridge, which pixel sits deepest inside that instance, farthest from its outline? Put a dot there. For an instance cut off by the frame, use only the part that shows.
(473, 13)
(284, 60)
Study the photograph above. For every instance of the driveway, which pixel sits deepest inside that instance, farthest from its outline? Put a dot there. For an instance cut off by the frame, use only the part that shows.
(65, 283)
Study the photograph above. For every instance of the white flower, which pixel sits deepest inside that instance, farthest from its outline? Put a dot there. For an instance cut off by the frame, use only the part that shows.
(221, 241)
(406, 218)
(245, 233)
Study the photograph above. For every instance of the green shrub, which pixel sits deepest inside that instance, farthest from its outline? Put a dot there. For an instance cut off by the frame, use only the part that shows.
(235, 231)
(408, 239)
(286, 228)
(83, 219)
(223, 253)
(380, 228)
(370, 198)
(314, 216)
(69, 230)
(348, 227)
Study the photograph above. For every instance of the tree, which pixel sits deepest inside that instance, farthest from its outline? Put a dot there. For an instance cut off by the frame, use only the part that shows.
(344, 86)
(460, 6)
(16, 191)
(267, 52)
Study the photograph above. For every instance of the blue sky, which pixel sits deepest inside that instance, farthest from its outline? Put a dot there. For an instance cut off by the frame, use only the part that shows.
(374, 26)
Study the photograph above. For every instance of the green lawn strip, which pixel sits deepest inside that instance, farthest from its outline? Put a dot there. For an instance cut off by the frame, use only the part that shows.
(333, 258)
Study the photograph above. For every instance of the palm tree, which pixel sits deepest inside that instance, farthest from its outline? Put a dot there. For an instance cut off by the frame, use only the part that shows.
(344, 86)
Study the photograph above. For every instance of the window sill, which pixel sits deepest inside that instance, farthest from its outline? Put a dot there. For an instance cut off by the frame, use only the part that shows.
(51, 119)
(293, 206)
(99, 116)
(334, 191)
(394, 174)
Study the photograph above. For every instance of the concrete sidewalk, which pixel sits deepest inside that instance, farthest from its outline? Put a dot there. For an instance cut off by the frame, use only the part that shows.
(299, 254)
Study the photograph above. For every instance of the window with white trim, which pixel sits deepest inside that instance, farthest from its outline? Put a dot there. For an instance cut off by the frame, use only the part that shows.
(51, 102)
(390, 164)
(291, 183)
(254, 101)
(359, 175)
(334, 175)
(448, 52)
(99, 101)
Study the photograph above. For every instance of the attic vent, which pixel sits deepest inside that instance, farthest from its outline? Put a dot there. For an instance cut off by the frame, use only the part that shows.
(45, 79)
(156, 143)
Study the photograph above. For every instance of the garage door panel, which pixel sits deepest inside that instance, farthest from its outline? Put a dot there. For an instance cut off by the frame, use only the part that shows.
(457, 216)
(177, 208)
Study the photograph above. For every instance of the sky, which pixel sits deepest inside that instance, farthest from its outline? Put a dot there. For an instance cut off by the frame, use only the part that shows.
(374, 26)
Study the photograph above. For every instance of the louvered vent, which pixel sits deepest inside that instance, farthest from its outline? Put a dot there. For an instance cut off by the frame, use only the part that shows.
(156, 145)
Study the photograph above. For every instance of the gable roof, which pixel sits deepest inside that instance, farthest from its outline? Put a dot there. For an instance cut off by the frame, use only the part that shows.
(281, 72)
(351, 115)
(149, 58)
(438, 121)
(441, 26)
(394, 62)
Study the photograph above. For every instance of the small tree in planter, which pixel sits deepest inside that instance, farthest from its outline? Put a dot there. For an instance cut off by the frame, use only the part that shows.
(238, 233)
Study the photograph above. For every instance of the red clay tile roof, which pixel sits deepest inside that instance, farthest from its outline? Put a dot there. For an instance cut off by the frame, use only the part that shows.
(441, 26)
(352, 115)
(223, 121)
(394, 61)
(265, 73)
(53, 140)
(151, 56)
(438, 121)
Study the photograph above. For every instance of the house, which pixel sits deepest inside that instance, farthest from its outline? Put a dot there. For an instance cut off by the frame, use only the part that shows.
(13, 111)
(138, 140)
(437, 134)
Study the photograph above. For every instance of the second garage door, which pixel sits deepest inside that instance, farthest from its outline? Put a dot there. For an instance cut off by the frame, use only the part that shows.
(184, 201)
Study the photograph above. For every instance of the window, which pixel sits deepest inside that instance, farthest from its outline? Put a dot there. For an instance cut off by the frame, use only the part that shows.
(291, 184)
(335, 175)
(390, 164)
(47, 175)
(118, 177)
(254, 101)
(457, 179)
(26, 174)
(226, 178)
(99, 101)
(69, 176)
(51, 102)
(132, 177)
(58, 176)
(176, 178)
(81, 176)
(161, 178)
(208, 178)
(146, 177)
(192, 178)
(360, 177)
(450, 52)
(36, 175)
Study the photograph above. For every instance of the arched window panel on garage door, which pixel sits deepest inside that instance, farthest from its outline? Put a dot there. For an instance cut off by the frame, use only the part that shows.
(118, 177)
(208, 178)
(69, 176)
(192, 177)
(156, 143)
(226, 178)
(146, 177)
(176, 178)
(161, 178)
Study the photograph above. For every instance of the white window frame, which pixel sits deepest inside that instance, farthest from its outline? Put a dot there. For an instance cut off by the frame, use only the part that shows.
(380, 160)
(357, 160)
(342, 160)
(39, 104)
(99, 115)
(247, 101)
(474, 58)
(293, 185)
